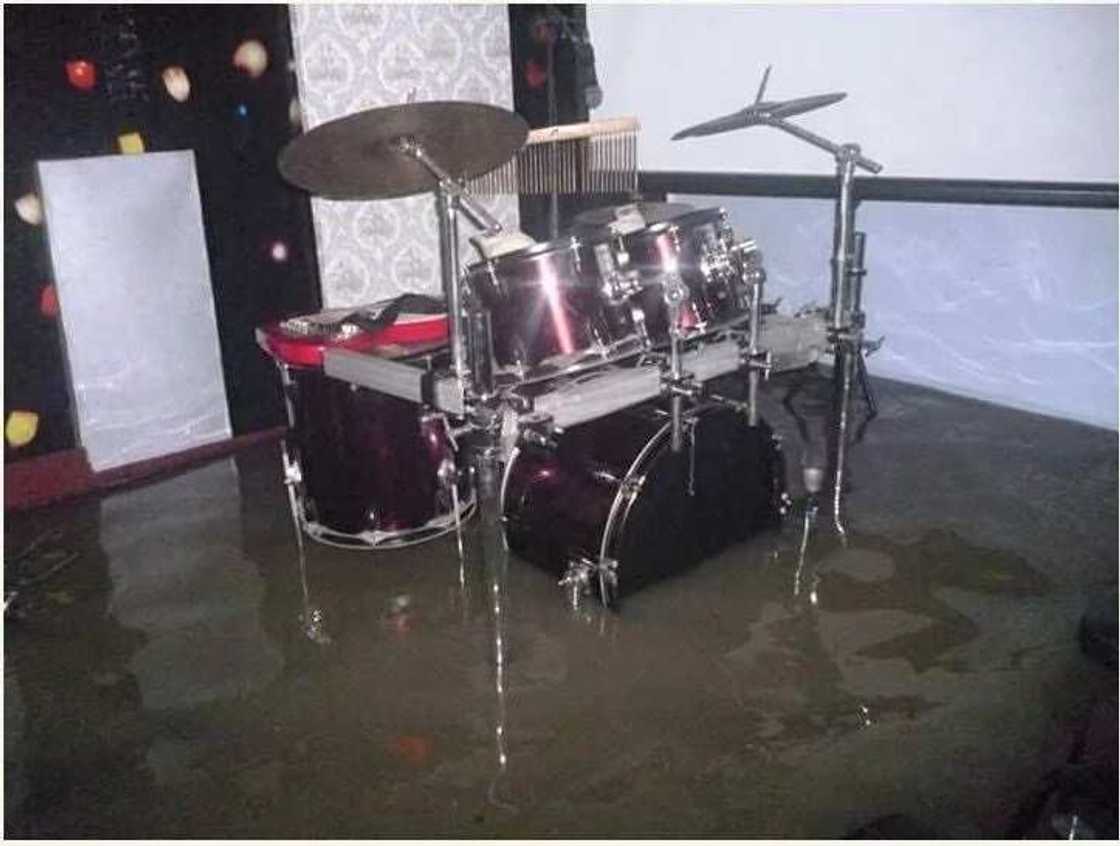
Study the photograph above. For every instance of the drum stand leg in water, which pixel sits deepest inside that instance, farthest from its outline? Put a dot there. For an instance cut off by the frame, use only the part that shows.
(846, 327)
(846, 319)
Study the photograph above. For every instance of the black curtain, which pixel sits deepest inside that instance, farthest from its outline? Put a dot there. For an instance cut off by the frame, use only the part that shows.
(236, 126)
(532, 27)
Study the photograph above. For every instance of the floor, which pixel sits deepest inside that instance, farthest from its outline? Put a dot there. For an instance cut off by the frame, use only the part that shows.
(926, 670)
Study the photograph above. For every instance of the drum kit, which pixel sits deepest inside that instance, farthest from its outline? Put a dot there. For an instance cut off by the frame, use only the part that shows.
(570, 384)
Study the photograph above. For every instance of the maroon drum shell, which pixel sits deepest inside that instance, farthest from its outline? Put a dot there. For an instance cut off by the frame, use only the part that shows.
(369, 461)
(544, 301)
(652, 251)
(557, 502)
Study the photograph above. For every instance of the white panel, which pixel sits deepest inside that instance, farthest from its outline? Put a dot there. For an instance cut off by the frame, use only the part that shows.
(981, 92)
(350, 58)
(137, 309)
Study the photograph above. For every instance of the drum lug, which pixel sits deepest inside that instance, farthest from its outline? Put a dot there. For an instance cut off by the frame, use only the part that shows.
(537, 429)
(619, 286)
(293, 474)
(577, 580)
(608, 581)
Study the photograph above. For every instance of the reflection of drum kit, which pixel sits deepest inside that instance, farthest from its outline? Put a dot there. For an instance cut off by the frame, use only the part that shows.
(583, 365)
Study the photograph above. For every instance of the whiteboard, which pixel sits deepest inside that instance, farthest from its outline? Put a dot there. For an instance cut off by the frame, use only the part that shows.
(952, 92)
(137, 308)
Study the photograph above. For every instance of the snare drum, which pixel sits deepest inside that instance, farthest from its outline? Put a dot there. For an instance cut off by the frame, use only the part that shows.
(369, 470)
(546, 307)
(612, 490)
(698, 246)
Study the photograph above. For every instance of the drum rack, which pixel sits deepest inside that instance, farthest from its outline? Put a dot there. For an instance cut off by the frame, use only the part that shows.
(790, 343)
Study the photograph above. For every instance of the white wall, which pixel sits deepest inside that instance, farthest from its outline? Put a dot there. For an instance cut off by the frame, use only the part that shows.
(947, 91)
(1013, 305)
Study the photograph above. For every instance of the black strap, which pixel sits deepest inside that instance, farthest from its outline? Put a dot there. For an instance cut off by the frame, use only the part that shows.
(387, 316)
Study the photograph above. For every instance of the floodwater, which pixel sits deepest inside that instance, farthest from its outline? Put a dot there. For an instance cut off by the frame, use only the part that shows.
(160, 682)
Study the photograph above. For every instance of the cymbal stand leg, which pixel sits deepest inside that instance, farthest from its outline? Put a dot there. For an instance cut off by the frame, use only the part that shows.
(868, 397)
(844, 364)
(846, 324)
(311, 618)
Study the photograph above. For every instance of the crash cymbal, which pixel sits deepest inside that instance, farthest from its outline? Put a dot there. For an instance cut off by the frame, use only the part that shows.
(650, 212)
(357, 157)
(759, 113)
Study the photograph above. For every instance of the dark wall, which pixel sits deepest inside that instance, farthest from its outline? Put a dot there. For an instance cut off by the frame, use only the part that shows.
(531, 28)
(236, 125)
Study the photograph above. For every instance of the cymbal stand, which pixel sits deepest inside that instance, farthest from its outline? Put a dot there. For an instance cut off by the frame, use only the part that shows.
(311, 617)
(452, 199)
(846, 319)
(470, 330)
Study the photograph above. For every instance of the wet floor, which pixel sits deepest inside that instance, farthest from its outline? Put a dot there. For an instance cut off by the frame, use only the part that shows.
(158, 680)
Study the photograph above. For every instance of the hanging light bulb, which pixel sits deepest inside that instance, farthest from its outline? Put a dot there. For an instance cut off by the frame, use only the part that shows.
(177, 83)
(29, 209)
(278, 252)
(251, 57)
(21, 428)
(82, 74)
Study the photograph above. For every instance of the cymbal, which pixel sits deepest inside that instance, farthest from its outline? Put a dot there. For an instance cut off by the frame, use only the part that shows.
(651, 212)
(357, 157)
(759, 113)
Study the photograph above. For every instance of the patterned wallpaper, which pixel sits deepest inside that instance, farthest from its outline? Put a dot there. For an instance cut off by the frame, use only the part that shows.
(350, 58)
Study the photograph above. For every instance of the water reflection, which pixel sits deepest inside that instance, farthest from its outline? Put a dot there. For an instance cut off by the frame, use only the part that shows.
(73, 707)
(179, 575)
(870, 627)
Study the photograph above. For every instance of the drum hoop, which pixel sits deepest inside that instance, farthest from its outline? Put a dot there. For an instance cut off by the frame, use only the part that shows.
(568, 242)
(627, 488)
(684, 221)
(379, 539)
(513, 456)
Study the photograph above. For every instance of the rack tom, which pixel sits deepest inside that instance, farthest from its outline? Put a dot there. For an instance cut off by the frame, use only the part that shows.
(546, 307)
(698, 245)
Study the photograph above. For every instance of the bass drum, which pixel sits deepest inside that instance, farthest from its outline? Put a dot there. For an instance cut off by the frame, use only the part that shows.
(613, 490)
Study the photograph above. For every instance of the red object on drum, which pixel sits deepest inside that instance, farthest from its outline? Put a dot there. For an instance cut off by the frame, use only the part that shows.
(307, 350)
